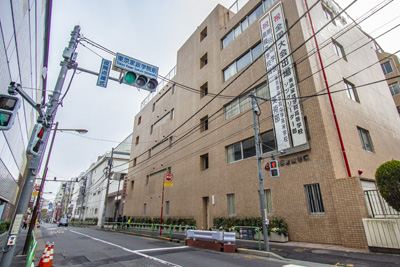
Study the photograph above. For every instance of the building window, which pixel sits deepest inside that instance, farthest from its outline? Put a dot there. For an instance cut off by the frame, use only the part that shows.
(339, 49)
(203, 60)
(268, 201)
(365, 139)
(170, 141)
(151, 129)
(204, 162)
(172, 114)
(139, 120)
(147, 179)
(387, 67)
(328, 14)
(314, 199)
(351, 91)
(132, 185)
(95, 211)
(231, 204)
(246, 148)
(134, 162)
(394, 88)
(166, 208)
(144, 209)
(204, 124)
(243, 102)
(137, 140)
(173, 89)
(204, 90)
(203, 34)
(246, 22)
(242, 62)
(398, 109)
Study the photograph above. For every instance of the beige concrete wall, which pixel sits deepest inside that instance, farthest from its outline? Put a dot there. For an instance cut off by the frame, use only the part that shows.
(193, 187)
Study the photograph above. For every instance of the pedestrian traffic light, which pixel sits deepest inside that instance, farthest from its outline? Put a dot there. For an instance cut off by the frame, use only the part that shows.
(140, 81)
(274, 169)
(35, 145)
(9, 106)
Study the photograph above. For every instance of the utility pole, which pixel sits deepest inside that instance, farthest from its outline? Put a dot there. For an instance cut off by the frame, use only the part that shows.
(46, 120)
(260, 174)
(83, 191)
(108, 174)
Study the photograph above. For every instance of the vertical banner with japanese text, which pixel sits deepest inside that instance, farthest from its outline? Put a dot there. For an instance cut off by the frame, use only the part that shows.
(275, 88)
(287, 73)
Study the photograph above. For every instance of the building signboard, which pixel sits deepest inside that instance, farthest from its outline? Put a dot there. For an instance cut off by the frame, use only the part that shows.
(287, 73)
(275, 89)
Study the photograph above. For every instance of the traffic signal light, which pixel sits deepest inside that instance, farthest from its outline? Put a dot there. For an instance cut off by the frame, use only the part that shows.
(274, 169)
(140, 81)
(9, 106)
(35, 145)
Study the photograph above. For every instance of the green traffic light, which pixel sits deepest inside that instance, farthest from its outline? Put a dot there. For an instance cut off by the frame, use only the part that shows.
(130, 77)
(4, 119)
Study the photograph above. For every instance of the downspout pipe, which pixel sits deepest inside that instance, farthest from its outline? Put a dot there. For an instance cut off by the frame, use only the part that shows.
(329, 95)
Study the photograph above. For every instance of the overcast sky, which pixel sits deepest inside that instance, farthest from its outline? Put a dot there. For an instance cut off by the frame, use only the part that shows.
(151, 31)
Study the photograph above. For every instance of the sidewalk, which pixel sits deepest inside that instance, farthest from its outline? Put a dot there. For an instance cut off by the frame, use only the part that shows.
(18, 259)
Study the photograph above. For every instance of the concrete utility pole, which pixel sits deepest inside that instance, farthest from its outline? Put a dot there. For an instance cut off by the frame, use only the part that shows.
(46, 119)
(83, 191)
(260, 174)
(108, 174)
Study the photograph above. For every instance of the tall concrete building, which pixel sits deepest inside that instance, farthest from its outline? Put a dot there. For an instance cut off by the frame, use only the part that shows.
(323, 109)
(25, 33)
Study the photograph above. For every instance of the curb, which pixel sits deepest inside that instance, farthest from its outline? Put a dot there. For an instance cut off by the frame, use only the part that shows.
(260, 253)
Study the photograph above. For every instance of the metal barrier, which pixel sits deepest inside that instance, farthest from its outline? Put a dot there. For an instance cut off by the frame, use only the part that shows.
(166, 228)
(31, 250)
(214, 236)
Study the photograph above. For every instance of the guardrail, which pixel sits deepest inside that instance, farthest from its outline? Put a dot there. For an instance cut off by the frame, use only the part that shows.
(31, 250)
(214, 236)
(166, 228)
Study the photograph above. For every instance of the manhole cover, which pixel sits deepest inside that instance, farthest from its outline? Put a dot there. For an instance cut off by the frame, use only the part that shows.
(320, 251)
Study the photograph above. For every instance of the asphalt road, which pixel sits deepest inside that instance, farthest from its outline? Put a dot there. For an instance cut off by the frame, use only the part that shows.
(89, 247)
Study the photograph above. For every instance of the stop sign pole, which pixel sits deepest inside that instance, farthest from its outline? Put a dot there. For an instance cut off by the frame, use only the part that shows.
(167, 177)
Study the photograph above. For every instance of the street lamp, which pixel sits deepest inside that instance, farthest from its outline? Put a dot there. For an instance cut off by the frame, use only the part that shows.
(34, 213)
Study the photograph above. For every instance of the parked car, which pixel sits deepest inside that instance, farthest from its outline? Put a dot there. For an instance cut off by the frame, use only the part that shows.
(63, 222)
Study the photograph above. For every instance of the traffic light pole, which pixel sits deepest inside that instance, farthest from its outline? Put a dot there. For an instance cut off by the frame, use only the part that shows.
(260, 174)
(47, 119)
(35, 210)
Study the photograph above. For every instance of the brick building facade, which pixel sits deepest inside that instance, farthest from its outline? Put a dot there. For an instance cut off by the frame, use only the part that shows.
(200, 126)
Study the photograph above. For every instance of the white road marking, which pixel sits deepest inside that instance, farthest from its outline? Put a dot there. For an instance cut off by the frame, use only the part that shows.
(137, 252)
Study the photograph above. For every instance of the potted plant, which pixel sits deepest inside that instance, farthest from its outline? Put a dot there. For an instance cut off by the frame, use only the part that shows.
(277, 230)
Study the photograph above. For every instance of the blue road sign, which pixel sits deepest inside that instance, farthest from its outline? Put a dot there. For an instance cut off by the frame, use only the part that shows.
(104, 72)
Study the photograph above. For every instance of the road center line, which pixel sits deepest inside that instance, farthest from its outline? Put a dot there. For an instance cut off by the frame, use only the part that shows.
(137, 252)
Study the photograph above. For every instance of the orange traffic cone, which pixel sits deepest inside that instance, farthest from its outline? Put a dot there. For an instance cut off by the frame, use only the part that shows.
(43, 255)
(45, 262)
(50, 264)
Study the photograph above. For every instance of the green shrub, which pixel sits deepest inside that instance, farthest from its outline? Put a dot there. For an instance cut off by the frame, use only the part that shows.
(278, 225)
(388, 181)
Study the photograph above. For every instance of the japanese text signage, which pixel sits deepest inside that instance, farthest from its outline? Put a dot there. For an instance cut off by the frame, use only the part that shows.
(294, 113)
(278, 109)
(137, 66)
(282, 76)
(104, 72)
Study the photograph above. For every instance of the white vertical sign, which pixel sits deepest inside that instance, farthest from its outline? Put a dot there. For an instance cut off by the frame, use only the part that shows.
(275, 88)
(294, 113)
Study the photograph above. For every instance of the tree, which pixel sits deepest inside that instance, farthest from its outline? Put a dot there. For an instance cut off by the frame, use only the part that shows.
(388, 181)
